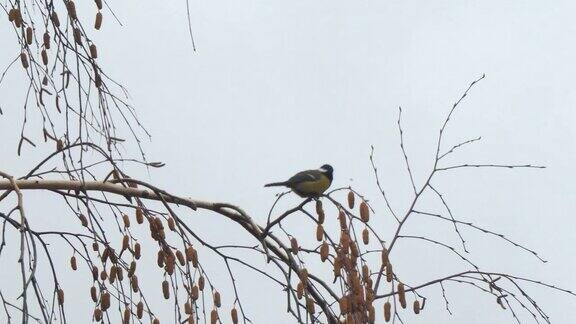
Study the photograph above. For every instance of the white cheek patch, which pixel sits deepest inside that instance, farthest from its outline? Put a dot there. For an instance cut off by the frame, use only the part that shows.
(323, 170)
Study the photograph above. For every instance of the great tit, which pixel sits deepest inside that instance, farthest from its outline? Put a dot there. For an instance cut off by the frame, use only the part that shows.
(309, 183)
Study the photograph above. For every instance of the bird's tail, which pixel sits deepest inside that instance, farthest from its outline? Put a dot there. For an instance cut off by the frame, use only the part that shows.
(275, 184)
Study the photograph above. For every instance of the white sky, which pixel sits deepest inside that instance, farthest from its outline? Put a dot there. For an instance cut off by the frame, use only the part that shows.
(277, 87)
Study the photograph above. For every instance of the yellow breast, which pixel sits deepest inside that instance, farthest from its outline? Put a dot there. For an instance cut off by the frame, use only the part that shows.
(312, 188)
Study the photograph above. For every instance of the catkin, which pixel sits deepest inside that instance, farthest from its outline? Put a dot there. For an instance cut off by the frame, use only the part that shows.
(113, 273)
(171, 224)
(105, 254)
(156, 321)
(105, 301)
(194, 293)
(24, 60)
(389, 272)
(71, 9)
(94, 273)
(46, 40)
(385, 259)
(234, 315)
(337, 266)
(160, 259)
(294, 245)
(125, 242)
(98, 4)
(132, 269)
(140, 310)
(134, 283)
(60, 297)
(97, 314)
(342, 219)
(319, 233)
(119, 273)
(402, 295)
(55, 19)
(189, 253)
(139, 215)
(125, 217)
(103, 275)
(365, 272)
(416, 307)
(98, 21)
(217, 301)
(166, 289)
(364, 212)
(344, 305)
(387, 308)
(93, 294)
(83, 220)
(29, 35)
(324, 251)
(73, 263)
(77, 36)
(350, 199)
(187, 308)
(366, 236)
(170, 263)
(201, 283)
(180, 257)
(13, 14)
(44, 57)
(126, 316)
(371, 314)
(320, 212)
(194, 258)
(213, 316)
(300, 290)
(310, 306)
(137, 251)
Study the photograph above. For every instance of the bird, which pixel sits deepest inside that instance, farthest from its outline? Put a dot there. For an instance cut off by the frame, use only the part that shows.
(309, 183)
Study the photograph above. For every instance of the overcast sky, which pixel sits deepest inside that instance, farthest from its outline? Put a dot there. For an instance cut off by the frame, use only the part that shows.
(280, 86)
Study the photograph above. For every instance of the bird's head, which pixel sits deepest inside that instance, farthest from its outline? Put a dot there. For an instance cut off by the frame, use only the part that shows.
(327, 170)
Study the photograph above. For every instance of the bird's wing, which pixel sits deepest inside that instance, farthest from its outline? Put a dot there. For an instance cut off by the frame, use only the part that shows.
(304, 176)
